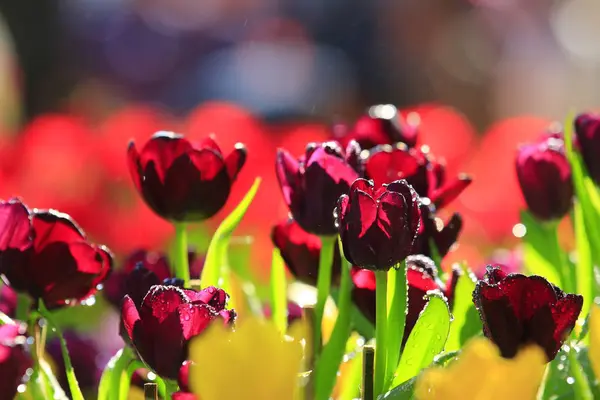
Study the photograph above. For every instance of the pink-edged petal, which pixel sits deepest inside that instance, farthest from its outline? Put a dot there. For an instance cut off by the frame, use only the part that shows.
(129, 316)
(236, 160)
(214, 297)
(51, 226)
(16, 231)
(162, 301)
(134, 165)
(564, 315)
(288, 170)
(363, 185)
(332, 164)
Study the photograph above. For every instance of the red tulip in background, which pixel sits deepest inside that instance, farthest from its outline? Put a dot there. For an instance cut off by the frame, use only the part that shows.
(301, 250)
(45, 254)
(378, 226)
(544, 175)
(168, 317)
(312, 185)
(183, 181)
(142, 270)
(587, 129)
(437, 232)
(516, 310)
(14, 358)
(183, 382)
(381, 125)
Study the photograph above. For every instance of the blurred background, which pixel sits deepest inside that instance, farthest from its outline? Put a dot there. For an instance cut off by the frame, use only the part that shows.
(79, 79)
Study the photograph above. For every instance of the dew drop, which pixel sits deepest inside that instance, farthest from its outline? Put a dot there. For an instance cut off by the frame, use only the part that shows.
(570, 380)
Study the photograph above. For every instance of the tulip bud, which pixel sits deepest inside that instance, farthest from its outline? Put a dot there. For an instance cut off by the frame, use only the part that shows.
(545, 178)
(587, 130)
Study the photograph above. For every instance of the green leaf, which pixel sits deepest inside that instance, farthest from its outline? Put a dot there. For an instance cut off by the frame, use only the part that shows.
(472, 327)
(538, 260)
(426, 340)
(446, 357)
(585, 264)
(352, 380)
(216, 264)
(278, 292)
(405, 391)
(463, 303)
(333, 353)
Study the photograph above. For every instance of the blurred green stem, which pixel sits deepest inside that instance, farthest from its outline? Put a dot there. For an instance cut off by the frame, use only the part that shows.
(182, 268)
(380, 330)
(323, 287)
(581, 385)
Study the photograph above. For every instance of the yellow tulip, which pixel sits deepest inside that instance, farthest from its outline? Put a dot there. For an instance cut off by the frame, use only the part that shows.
(594, 348)
(480, 373)
(254, 362)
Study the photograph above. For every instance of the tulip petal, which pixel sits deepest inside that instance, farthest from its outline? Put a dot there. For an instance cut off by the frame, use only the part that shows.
(236, 160)
(287, 170)
(194, 318)
(214, 297)
(162, 150)
(134, 165)
(443, 196)
(129, 316)
(52, 226)
(15, 226)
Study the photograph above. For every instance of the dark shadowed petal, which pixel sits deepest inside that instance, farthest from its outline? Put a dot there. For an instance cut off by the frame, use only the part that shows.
(287, 170)
(15, 226)
(353, 156)
(154, 261)
(236, 160)
(587, 129)
(450, 286)
(51, 226)
(138, 282)
(162, 150)
(387, 164)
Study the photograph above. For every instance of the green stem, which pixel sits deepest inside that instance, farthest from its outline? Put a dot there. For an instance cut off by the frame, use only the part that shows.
(581, 385)
(323, 287)
(333, 353)
(71, 379)
(38, 382)
(380, 330)
(171, 387)
(567, 273)
(396, 318)
(182, 268)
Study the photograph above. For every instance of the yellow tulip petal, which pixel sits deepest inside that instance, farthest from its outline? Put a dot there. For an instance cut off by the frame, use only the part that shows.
(252, 362)
(482, 374)
(594, 348)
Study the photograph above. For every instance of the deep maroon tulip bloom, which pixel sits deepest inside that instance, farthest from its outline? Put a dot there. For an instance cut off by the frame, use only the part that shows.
(142, 270)
(545, 178)
(312, 185)
(587, 129)
(181, 180)
(294, 312)
(421, 277)
(427, 175)
(14, 359)
(378, 126)
(167, 319)
(378, 227)
(517, 310)
(8, 301)
(84, 356)
(301, 251)
(45, 253)
(434, 231)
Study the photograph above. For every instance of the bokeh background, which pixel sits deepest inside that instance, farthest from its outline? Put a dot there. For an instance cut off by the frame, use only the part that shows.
(79, 79)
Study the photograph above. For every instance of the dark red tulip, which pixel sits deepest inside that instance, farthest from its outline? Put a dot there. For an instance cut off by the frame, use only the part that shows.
(434, 231)
(167, 319)
(84, 356)
(294, 312)
(587, 129)
(545, 178)
(8, 301)
(184, 383)
(142, 270)
(301, 251)
(312, 185)
(421, 277)
(427, 175)
(15, 361)
(381, 125)
(45, 253)
(517, 310)
(181, 180)
(378, 227)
